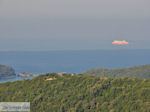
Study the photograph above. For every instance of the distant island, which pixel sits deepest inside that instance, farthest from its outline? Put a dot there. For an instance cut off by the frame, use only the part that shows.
(142, 71)
(6, 71)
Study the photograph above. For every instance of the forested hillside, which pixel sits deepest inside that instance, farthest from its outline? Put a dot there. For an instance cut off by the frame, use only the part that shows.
(138, 71)
(79, 93)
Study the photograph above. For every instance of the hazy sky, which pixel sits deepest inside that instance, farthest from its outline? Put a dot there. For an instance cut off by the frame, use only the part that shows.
(73, 24)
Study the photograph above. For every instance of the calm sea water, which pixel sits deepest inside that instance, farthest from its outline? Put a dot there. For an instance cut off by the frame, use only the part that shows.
(73, 61)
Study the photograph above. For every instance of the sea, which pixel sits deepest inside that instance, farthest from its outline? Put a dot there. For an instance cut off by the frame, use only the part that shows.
(75, 61)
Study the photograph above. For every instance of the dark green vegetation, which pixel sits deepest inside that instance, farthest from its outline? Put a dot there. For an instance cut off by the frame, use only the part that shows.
(6, 71)
(139, 71)
(79, 93)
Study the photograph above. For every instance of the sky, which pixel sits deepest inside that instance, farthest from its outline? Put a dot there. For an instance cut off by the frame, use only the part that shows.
(41, 25)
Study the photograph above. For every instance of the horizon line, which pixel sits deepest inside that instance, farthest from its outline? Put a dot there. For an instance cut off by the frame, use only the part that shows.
(72, 50)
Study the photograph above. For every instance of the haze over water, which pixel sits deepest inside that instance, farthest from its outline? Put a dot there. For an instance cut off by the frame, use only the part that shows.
(73, 61)
(63, 35)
